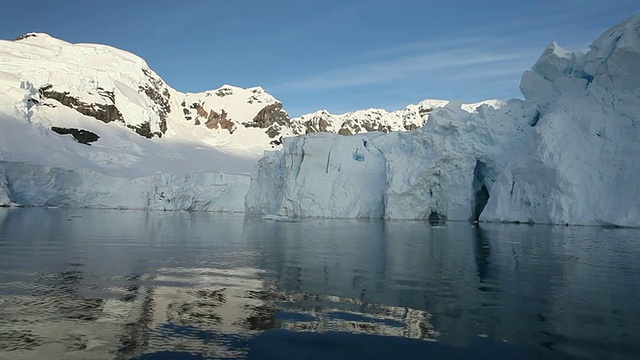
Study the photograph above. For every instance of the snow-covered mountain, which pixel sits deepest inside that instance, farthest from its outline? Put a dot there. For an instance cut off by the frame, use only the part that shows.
(410, 118)
(568, 154)
(47, 81)
(80, 121)
(98, 82)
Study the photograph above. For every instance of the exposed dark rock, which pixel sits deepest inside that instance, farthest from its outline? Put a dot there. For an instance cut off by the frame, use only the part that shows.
(274, 130)
(315, 125)
(199, 110)
(24, 36)
(423, 112)
(269, 116)
(212, 119)
(224, 92)
(103, 112)
(107, 94)
(159, 94)
(215, 120)
(144, 129)
(375, 126)
(82, 136)
(276, 142)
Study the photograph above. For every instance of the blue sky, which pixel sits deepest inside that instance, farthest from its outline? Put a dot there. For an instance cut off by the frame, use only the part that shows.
(335, 55)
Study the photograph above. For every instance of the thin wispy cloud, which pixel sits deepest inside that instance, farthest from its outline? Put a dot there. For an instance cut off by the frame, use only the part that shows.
(417, 62)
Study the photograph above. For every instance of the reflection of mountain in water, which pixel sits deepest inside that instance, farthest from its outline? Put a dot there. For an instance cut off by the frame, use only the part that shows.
(213, 311)
(227, 306)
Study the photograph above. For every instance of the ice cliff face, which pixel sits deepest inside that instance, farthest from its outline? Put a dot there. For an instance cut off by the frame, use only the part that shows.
(567, 154)
(39, 185)
(436, 172)
(583, 163)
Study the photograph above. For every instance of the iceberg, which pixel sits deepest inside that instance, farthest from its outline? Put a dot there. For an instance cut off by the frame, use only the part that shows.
(567, 154)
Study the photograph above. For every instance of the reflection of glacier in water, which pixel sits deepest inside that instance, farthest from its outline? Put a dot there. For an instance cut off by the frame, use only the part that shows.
(220, 306)
(214, 312)
(86, 284)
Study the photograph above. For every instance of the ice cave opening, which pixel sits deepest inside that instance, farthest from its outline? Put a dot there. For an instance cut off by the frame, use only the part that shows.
(481, 194)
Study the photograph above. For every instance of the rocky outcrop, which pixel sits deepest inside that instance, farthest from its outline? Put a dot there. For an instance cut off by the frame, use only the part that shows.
(268, 116)
(274, 119)
(211, 119)
(82, 136)
(106, 112)
(159, 94)
(25, 36)
(215, 121)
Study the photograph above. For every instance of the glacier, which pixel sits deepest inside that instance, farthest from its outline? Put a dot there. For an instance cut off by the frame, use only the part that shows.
(567, 154)
(46, 186)
(89, 125)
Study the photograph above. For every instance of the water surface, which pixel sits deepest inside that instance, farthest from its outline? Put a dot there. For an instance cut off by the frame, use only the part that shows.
(93, 284)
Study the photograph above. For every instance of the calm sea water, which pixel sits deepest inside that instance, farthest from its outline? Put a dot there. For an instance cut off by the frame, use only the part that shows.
(90, 284)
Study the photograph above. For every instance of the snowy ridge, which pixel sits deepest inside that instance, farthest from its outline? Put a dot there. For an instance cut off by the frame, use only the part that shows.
(410, 118)
(568, 154)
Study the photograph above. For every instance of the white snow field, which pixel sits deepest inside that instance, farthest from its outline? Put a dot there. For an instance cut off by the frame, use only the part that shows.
(568, 154)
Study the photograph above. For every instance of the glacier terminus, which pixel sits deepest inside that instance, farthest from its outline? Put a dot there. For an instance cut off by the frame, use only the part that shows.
(98, 128)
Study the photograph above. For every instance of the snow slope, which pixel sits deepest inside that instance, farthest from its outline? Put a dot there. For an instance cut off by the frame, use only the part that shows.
(568, 154)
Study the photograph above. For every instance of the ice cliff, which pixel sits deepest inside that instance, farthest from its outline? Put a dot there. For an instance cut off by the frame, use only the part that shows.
(39, 185)
(568, 154)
